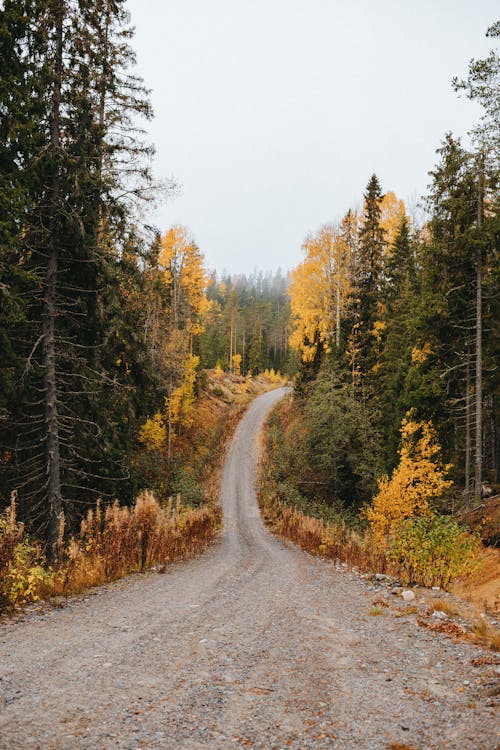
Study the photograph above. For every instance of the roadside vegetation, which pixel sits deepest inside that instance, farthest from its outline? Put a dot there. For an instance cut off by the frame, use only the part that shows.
(394, 421)
(400, 533)
(116, 539)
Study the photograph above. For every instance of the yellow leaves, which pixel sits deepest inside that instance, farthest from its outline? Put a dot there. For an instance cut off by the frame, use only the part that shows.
(379, 327)
(319, 289)
(419, 355)
(273, 376)
(185, 277)
(418, 480)
(152, 433)
(392, 210)
(236, 364)
(180, 404)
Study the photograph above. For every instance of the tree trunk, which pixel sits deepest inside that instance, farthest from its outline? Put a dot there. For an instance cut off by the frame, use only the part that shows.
(337, 327)
(55, 526)
(169, 421)
(479, 329)
(467, 427)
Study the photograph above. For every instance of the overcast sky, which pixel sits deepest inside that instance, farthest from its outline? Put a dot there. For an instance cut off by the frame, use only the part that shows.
(273, 114)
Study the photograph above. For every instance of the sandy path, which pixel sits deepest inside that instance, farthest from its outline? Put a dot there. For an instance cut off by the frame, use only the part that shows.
(254, 644)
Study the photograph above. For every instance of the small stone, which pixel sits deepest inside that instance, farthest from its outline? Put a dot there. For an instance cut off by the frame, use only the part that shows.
(408, 595)
(436, 588)
(439, 614)
(395, 590)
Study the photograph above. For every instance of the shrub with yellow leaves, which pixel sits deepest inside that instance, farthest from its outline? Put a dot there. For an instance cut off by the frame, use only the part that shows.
(417, 482)
(22, 577)
(236, 364)
(152, 433)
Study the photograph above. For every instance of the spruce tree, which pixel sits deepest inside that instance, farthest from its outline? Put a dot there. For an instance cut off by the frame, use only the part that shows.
(369, 272)
(88, 172)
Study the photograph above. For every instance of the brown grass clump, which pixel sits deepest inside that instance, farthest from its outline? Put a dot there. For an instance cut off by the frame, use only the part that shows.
(120, 540)
(444, 605)
(11, 534)
(486, 634)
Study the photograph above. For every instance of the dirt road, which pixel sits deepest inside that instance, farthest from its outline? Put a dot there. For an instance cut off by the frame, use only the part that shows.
(254, 644)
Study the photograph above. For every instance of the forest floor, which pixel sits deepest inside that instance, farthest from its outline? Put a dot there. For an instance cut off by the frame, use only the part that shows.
(254, 644)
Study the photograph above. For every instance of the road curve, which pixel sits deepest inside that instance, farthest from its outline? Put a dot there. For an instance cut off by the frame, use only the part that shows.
(254, 644)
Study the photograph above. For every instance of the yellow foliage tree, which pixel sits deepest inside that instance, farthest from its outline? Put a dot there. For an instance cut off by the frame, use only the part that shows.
(179, 405)
(392, 210)
(418, 480)
(319, 289)
(152, 433)
(237, 364)
(185, 277)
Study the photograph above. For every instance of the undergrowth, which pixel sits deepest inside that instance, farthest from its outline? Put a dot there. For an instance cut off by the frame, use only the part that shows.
(112, 542)
(432, 550)
(114, 539)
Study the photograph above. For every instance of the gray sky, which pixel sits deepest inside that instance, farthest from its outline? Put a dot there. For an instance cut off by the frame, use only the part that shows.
(273, 114)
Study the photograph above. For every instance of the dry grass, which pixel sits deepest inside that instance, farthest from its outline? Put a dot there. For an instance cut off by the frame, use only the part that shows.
(121, 540)
(486, 634)
(444, 605)
(482, 632)
(112, 542)
(331, 541)
(482, 588)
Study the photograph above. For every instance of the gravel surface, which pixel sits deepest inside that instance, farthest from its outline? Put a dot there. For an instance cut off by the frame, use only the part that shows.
(254, 644)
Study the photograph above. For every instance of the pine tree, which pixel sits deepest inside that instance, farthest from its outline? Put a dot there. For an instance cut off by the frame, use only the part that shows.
(78, 134)
(369, 272)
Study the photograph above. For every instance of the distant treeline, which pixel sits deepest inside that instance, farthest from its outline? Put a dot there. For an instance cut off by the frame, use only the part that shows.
(246, 324)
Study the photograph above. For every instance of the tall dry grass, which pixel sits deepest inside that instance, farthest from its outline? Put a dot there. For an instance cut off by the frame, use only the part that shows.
(118, 540)
(112, 542)
(333, 541)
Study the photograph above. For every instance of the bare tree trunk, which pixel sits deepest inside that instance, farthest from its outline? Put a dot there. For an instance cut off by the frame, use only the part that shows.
(337, 330)
(169, 421)
(479, 330)
(494, 440)
(54, 495)
(467, 427)
(231, 343)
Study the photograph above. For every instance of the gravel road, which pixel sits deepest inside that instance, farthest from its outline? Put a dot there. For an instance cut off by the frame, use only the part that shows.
(254, 644)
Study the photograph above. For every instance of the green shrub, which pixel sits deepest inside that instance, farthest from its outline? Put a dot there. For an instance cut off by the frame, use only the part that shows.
(186, 484)
(433, 551)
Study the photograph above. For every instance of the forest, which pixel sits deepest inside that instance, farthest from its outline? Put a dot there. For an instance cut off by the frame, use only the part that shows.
(109, 326)
(395, 319)
(251, 509)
